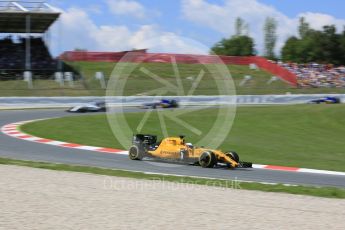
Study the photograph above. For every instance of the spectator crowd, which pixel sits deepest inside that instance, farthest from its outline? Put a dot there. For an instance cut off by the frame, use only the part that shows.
(317, 75)
(12, 56)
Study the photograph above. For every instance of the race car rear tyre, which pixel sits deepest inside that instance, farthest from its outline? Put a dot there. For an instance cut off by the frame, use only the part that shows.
(134, 153)
(207, 159)
(234, 156)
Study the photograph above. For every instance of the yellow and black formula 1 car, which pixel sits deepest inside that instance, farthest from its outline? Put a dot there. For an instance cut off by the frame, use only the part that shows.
(175, 149)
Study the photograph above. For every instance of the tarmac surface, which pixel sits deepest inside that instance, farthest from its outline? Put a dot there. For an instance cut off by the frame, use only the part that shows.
(24, 150)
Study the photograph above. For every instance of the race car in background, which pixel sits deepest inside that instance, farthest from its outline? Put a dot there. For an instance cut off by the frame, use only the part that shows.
(326, 100)
(177, 150)
(164, 103)
(91, 107)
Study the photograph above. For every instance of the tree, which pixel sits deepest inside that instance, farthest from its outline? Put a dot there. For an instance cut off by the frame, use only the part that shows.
(80, 50)
(342, 47)
(331, 45)
(307, 49)
(270, 31)
(290, 49)
(303, 28)
(241, 27)
(235, 46)
(325, 46)
(303, 50)
(240, 44)
(246, 29)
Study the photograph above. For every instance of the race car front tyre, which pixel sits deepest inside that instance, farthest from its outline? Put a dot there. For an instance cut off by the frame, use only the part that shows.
(207, 159)
(234, 156)
(134, 153)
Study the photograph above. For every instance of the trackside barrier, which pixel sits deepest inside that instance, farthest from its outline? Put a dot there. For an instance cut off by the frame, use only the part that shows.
(47, 102)
(142, 56)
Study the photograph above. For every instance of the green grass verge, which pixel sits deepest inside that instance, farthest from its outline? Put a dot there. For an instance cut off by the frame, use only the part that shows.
(139, 82)
(328, 192)
(309, 136)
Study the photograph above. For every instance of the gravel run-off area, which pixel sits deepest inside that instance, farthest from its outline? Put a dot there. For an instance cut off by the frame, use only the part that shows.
(44, 199)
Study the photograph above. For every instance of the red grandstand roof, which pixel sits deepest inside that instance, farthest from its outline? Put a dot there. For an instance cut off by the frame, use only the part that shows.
(13, 15)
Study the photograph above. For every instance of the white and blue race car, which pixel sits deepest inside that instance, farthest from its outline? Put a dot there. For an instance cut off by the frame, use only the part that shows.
(91, 107)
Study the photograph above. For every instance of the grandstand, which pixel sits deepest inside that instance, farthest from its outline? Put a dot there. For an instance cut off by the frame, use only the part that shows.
(316, 75)
(22, 47)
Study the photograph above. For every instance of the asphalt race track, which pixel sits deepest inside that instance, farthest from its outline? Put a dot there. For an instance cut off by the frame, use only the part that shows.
(25, 150)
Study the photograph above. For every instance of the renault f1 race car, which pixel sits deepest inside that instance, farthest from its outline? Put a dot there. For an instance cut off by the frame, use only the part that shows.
(175, 149)
(91, 107)
(164, 103)
(326, 100)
